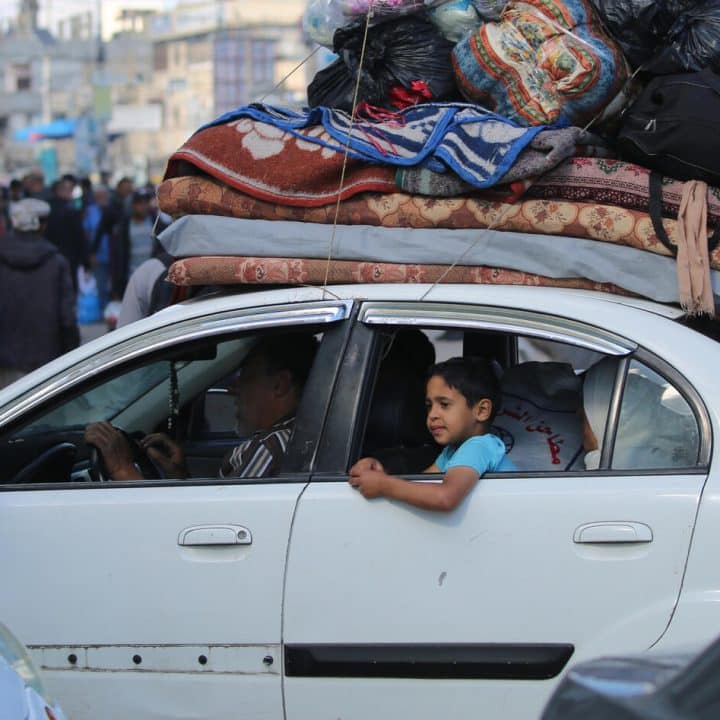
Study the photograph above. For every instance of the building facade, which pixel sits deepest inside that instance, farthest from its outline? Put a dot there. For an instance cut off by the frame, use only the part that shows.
(139, 95)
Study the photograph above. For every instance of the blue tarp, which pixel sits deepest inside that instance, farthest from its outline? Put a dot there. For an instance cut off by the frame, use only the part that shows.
(55, 129)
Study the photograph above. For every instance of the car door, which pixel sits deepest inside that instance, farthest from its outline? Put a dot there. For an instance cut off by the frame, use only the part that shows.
(161, 599)
(391, 611)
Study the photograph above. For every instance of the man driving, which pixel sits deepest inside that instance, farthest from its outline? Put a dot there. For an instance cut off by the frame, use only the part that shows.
(267, 391)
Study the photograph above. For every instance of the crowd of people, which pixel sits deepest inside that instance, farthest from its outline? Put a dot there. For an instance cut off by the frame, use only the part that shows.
(55, 242)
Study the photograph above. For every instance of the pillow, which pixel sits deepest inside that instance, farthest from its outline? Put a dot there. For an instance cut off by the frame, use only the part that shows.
(539, 420)
(544, 63)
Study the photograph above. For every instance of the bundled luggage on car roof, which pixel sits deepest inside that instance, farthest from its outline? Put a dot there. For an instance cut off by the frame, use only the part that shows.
(471, 141)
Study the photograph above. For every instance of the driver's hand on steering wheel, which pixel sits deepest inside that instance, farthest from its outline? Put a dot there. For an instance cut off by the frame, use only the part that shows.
(115, 450)
(165, 453)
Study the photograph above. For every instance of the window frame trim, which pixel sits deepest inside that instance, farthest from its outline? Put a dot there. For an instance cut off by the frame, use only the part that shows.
(147, 343)
(500, 319)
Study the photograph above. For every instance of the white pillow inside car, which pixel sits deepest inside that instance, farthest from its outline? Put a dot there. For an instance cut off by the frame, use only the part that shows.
(539, 421)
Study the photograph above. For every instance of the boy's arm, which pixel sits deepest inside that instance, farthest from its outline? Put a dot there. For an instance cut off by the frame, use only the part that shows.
(445, 496)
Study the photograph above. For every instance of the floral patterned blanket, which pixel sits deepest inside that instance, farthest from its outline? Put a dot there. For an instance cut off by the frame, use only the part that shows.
(223, 270)
(613, 182)
(606, 223)
(277, 166)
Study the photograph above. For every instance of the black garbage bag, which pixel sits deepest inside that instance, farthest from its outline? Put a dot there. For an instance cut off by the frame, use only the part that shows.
(665, 36)
(406, 61)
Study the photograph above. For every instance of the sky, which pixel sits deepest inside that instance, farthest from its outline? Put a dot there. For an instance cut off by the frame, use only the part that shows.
(52, 11)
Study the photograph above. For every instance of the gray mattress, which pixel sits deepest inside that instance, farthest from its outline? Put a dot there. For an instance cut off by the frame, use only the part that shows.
(645, 273)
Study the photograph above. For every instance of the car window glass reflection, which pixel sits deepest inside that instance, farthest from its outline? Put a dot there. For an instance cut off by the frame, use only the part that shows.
(657, 428)
(105, 401)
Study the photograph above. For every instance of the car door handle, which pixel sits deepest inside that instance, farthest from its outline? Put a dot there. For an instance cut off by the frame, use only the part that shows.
(613, 532)
(203, 535)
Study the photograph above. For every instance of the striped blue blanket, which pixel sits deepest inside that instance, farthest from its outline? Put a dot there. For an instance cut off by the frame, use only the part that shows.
(477, 145)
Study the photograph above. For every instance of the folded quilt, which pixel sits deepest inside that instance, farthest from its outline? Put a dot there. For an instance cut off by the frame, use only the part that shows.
(479, 146)
(278, 166)
(606, 223)
(547, 149)
(614, 182)
(230, 270)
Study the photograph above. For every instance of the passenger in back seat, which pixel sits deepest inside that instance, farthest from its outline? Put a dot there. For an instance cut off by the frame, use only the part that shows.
(462, 397)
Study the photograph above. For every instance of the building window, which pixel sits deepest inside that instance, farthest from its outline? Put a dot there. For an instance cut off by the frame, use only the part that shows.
(160, 57)
(262, 61)
(23, 77)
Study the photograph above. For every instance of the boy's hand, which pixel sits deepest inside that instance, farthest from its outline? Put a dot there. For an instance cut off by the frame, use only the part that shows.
(365, 464)
(368, 476)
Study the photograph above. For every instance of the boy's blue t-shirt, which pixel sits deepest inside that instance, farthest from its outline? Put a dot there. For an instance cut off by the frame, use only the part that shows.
(484, 453)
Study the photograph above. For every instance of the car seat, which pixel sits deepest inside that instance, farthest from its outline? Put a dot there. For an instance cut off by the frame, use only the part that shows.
(539, 420)
(396, 433)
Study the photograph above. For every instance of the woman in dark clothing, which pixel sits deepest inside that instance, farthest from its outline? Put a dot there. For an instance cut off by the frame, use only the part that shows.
(37, 300)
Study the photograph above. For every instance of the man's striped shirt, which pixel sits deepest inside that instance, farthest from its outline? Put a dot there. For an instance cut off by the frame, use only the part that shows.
(261, 454)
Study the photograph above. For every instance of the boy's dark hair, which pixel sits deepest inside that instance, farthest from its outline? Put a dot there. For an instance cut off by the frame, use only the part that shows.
(473, 377)
(293, 352)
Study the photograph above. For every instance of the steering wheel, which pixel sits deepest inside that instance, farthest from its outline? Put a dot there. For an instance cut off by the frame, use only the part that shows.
(144, 463)
(52, 465)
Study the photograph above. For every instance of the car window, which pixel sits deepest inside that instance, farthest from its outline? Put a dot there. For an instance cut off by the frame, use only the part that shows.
(656, 426)
(539, 420)
(103, 402)
(138, 398)
(183, 390)
(555, 409)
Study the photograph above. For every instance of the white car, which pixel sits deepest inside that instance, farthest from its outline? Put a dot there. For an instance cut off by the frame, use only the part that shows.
(293, 596)
(22, 694)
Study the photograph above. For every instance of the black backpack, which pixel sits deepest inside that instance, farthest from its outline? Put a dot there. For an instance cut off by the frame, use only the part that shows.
(674, 127)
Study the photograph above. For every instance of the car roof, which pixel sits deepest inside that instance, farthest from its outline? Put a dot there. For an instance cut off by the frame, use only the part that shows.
(501, 295)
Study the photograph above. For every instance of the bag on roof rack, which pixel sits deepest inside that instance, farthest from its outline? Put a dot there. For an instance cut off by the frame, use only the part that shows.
(673, 127)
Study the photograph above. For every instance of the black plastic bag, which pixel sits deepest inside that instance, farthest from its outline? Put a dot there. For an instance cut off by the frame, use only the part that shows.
(665, 36)
(672, 127)
(406, 60)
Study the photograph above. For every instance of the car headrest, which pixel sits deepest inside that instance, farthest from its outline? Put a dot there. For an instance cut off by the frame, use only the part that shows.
(397, 413)
(539, 420)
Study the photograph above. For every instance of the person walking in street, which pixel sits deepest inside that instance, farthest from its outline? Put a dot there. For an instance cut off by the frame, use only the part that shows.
(37, 300)
(33, 185)
(15, 194)
(134, 242)
(106, 231)
(96, 205)
(65, 227)
(4, 210)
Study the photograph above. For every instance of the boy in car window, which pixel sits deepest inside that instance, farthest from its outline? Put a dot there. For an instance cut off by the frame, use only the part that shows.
(462, 398)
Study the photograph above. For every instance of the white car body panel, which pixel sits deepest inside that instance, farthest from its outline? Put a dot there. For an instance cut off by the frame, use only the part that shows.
(111, 581)
(115, 585)
(382, 573)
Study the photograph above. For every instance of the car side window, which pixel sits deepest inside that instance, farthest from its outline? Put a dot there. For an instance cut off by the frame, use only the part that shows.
(104, 401)
(210, 396)
(656, 428)
(555, 410)
(539, 419)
